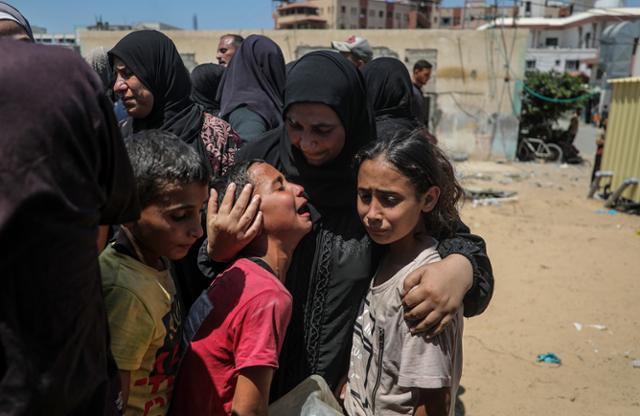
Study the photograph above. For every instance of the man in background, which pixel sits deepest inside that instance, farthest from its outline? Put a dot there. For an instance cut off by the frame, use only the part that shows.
(227, 47)
(355, 49)
(421, 75)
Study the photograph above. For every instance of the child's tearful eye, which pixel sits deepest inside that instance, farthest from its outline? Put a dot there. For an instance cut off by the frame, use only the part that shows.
(365, 196)
(389, 200)
(178, 216)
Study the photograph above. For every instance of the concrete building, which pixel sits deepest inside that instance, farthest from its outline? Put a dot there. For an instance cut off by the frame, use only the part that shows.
(68, 40)
(61, 39)
(100, 25)
(568, 43)
(619, 57)
(474, 14)
(474, 89)
(353, 14)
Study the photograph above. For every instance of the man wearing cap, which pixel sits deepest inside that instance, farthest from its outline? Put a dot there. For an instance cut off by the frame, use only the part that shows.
(13, 24)
(355, 49)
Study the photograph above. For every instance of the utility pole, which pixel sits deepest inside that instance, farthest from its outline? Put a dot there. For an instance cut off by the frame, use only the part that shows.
(464, 14)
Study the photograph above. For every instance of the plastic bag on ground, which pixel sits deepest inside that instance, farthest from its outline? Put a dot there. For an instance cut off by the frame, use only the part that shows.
(312, 397)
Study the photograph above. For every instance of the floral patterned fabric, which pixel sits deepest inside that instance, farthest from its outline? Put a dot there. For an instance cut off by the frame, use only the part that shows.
(220, 142)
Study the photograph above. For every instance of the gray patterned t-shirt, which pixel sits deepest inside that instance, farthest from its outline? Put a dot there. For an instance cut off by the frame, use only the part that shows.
(387, 362)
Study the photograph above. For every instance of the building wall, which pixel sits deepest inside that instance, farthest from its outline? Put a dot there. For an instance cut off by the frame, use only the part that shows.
(470, 17)
(579, 42)
(532, 8)
(586, 35)
(476, 109)
(348, 14)
(556, 59)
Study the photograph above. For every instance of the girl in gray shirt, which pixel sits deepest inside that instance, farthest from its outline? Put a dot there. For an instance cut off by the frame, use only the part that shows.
(407, 192)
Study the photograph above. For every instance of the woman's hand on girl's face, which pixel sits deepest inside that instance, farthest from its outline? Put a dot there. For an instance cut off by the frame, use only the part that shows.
(434, 292)
(232, 226)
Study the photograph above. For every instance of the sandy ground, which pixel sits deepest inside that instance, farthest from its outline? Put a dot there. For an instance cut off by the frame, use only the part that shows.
(557, 261)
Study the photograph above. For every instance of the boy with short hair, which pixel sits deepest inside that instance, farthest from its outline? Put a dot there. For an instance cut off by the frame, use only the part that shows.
(228, 366)
(145, 317)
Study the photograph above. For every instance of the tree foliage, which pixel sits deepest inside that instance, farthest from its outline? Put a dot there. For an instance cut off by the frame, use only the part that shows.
(540, 116)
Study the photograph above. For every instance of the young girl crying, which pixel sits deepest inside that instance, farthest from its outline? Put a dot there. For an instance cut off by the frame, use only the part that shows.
(407, 196)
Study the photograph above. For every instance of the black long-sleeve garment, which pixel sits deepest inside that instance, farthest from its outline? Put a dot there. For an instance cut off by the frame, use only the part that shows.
(332, 266)
(329, 276)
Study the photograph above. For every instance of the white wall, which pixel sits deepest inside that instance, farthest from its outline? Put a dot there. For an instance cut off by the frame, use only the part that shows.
(555, 59)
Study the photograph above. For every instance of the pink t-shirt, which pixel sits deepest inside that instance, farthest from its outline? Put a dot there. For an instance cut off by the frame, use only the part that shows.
(246, 328)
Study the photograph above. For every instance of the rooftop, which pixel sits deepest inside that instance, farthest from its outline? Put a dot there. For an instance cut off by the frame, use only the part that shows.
(625, 13)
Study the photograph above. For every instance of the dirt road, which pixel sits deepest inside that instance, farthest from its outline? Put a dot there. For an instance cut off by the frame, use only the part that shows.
(559, 259)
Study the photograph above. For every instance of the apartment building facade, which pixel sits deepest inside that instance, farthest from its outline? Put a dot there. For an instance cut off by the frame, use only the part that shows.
(353, 14)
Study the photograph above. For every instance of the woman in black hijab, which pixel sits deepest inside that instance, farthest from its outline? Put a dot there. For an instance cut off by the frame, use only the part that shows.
(155, 87)
(64, 171)
(251, 90)
(389, 89)
(327, 119)
(205, 80)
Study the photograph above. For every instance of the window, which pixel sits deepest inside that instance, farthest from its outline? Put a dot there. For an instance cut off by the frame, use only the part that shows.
(363, 12)
(579, 37)
(445, 21)
(354, 10)
(551, 42)
(531, 64)
(557, 62)
(381, 14)
(571, 65)
(398, 16)
(372, 13)
(389, 15)
(527, 7)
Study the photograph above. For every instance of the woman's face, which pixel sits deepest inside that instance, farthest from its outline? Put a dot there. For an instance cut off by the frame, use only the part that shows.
(137, 99)
(316, 130)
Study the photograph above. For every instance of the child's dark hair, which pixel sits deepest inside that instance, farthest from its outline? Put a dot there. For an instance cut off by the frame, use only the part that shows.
(159, 159)
(238, 174)
(425, 165)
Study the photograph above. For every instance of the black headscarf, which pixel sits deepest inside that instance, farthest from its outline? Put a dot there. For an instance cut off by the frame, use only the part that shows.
(154, 59)
(390, 92)
(389, 87)
(323, 77)
(21, 20)
(255, 78)
(205, 80)
(99, 61)
(63, 171)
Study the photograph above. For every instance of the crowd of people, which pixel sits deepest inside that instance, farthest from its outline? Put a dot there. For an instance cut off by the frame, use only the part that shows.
(204, 243)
